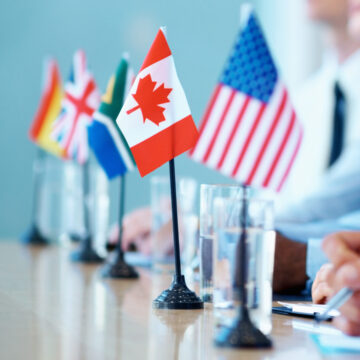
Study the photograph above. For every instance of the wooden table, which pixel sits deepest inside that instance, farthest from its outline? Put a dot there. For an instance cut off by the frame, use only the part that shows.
(53, 309)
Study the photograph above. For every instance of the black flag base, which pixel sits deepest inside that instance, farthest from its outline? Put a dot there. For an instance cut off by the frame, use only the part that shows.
(34, 237)
(178, 296)
(86, 253)
(110, 246)
(242, 334)
(74, 237)
(118, 268)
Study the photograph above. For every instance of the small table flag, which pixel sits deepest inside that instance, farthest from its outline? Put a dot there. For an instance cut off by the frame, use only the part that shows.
(250, 131)
(49, 109)
(105, 138)
(156, 119)
(80, 101)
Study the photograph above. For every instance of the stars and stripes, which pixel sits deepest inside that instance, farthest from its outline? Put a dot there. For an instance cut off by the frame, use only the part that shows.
(250, 131)
(78, 105)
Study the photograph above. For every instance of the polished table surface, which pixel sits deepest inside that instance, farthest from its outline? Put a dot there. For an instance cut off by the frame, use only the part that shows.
(53, 309)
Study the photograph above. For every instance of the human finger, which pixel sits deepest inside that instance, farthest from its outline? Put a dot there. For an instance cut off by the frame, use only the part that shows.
(321, 293)
(321, 288)
(347, 326)
(351, 309)
(342, 247)
(348, 276)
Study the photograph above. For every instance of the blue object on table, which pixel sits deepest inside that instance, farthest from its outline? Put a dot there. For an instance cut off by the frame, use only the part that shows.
(335, 303)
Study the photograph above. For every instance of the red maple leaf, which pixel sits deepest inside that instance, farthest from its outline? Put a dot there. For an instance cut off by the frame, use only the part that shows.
(149, 98)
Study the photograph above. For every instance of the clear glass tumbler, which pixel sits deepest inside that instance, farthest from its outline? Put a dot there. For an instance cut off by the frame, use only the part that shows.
(209, 192)
(251, 218)
(73, 204)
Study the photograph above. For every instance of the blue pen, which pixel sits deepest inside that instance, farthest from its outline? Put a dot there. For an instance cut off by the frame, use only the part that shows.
(335, 303)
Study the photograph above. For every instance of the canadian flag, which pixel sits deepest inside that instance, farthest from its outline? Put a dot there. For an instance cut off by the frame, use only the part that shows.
(155, 119)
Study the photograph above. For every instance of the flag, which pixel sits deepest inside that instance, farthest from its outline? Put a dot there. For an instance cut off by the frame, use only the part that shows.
(156, 119)
(49, 108)
(250, 131)
(105, 138)
(77, 107)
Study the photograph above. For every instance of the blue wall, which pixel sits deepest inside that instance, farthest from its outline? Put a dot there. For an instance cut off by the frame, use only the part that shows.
(200, 34)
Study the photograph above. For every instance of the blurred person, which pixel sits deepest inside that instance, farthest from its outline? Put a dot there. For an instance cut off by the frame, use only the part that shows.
(343, 251)
(329, 108)
(327, 163)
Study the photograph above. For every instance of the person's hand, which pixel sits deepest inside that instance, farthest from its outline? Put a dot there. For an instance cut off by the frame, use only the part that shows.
(137, 231)
(290, 264)
(343, 250)
(321, 290)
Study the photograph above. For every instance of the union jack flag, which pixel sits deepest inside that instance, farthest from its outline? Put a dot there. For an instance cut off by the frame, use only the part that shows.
(80, 101)
(250, 131)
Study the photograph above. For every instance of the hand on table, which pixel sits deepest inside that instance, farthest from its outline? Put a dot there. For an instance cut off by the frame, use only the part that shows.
(137, 231)
(343, 250)
(321, 290)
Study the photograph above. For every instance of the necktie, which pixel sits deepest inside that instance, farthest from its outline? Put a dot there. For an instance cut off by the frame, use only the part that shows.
(338, 125)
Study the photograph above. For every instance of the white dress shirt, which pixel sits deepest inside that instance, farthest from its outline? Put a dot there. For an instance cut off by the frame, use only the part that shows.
(319, 193)
(323, 197)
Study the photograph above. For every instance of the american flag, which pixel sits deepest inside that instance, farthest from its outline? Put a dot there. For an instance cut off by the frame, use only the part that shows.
(250, 131)
(80, 101)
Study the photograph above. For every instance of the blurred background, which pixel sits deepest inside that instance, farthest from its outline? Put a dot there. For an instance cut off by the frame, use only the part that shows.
(200, 34)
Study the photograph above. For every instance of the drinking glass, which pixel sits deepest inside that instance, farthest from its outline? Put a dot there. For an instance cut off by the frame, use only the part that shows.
(73, 204)
(50, 199)
(209, 192)
(237, 217)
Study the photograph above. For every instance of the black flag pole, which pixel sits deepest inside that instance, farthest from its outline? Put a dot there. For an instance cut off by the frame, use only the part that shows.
(175, 219)
(242, 333)
(33, 235)
(86, 253)
(178, 296)
(117, 267)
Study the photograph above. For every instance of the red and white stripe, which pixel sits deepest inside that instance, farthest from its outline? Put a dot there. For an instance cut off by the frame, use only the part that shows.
(249, 140)
(152, 144)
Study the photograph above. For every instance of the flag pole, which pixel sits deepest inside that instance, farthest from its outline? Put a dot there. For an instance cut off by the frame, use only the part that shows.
(33, 235)
(175, 219)
(86, 253)
(242, 333)
(117, 267)
(178, 296)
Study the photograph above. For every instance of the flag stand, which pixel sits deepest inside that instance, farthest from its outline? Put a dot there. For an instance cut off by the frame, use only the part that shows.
(178, 296)
(86, 252)
(242, 333)
(118, 268)
(33, 235)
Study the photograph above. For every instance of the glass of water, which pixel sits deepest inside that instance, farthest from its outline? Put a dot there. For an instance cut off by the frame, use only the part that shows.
(250, 218)
(73, 204)
(208, 193)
